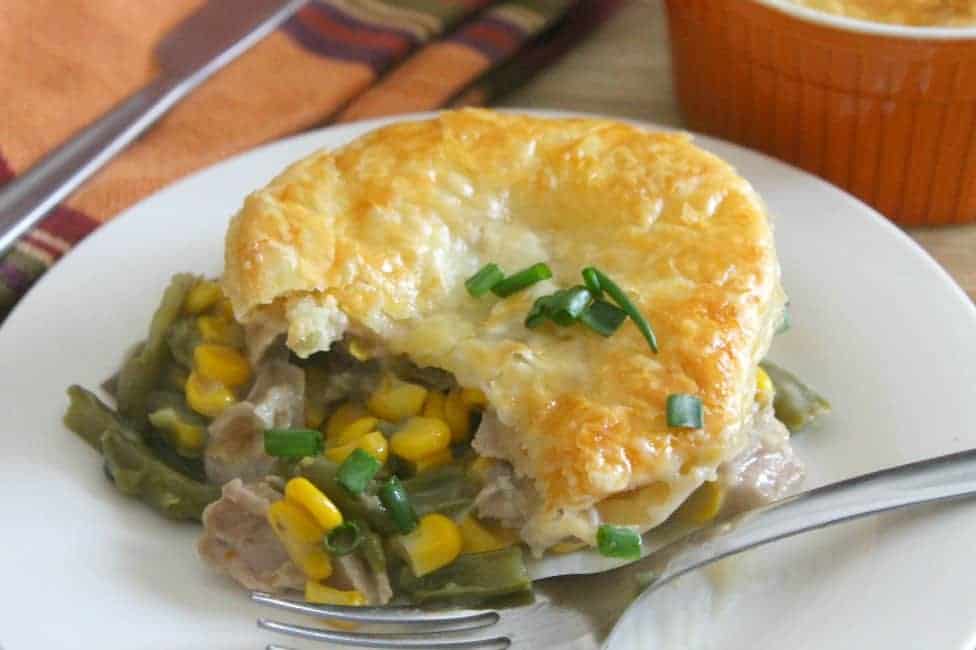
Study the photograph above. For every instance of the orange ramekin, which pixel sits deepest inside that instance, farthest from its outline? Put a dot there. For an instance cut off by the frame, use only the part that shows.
(887, 112)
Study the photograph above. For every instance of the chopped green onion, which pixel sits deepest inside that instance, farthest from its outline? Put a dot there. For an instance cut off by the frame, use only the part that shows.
(343, 539)
(786, 320)
(621, 299)
(592, 282)
(481, 282)
(292, 443)
(357, 471)
(539, 312)
(618, 541)
(521, 280)
(394, 498)
(685, 411)
(603, 318)
(568, 305)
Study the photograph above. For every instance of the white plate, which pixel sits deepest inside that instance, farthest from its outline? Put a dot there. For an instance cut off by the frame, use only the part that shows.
(878, 326)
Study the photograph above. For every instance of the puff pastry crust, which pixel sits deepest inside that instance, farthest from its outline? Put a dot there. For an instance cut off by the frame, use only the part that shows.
(378, 236)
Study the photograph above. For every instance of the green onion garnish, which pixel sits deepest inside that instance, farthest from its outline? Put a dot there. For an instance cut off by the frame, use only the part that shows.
(592, 282)
(394, 498)
(786, 320)
(603, 318)
(567, 305)
(618, 541)
(343, 539)
(539, 312)
(356, 471)
(521, 280)
(481, 282)
(292, 443)
(685, 411)
(621, 299)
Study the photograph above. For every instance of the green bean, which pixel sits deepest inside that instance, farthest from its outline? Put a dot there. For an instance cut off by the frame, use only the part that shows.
(181, 339)
(89, 416)
(136, 471)
(471, 579)
(797, 405)
(140, 373)
(371, 548)
(446, 489)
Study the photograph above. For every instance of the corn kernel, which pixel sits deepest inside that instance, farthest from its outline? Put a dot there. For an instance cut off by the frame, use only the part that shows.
(343, 417)
(302, 492)
(302, 538)
(373, 443)
(562, 548)
(396, 400)
(479, 537)
(765, 390)
(356, 430)
(474, 397)
(458, 416)
(214, 329)
(207, 397)
(443, 457)
(314, 415)
(434, 406)
(434, 543)
(703, 504)
(222, 363)
(319, 594)
(420, 437)
(187, 438)
(202, 297)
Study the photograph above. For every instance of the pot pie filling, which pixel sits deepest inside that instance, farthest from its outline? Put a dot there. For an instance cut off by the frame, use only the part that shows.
(351, 450)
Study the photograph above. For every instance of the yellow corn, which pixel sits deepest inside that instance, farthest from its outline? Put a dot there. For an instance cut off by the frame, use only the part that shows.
(188, 439)
(206, 396)
(764, 386)
(343, 417)
(434, 543)
(355, 430)
(420, 437)
(302, 492)
(222, 363)
(320, 594)
(396, 400)
(563, 548)
(443, 457)
(474, 397)
(314, 415)
(458, 416)
(434, 406)
(703, 504)
(202, 297)
(479, 537)
(215, 329)
(302, 538)
(373, 443)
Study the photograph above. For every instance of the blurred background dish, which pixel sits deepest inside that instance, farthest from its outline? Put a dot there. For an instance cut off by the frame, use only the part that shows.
(932, 13)
(887, 112)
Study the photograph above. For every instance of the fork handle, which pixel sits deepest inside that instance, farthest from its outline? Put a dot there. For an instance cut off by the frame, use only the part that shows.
(29, 196)
(937, 479)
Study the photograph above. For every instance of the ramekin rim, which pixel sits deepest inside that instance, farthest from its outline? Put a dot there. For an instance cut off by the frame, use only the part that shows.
(870, 27)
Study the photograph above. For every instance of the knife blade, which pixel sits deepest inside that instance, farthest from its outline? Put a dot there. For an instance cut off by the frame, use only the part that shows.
(196, 48)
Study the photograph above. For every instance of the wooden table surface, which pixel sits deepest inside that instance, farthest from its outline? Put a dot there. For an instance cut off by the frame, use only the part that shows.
(624, 70)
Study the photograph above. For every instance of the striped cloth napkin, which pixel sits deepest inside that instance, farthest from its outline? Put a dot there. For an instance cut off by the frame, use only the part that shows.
(63, 62)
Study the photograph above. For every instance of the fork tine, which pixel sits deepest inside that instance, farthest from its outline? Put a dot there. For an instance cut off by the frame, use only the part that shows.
(369, 640)
(454, 620)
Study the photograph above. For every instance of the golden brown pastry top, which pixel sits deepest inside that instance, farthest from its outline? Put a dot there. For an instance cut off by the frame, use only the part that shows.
(378, 237)
(930, 13)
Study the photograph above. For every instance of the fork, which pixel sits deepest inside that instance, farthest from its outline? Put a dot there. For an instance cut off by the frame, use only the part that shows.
(574, 612)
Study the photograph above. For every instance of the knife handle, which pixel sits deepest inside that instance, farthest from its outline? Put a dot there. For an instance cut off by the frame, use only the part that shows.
(28, 197)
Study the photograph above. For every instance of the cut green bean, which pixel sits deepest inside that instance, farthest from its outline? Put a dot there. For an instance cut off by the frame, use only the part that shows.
(522, 280)
(620, 297)
(618, 542)
(471, 579)
(395, 499)
(447, 489)
(685, 411)
(484, 280)
(88, 416)
(796, 404)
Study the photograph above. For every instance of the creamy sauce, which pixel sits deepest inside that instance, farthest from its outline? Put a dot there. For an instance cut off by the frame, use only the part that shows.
(927, 13)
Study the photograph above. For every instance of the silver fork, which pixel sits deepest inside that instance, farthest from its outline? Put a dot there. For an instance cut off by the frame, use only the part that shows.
(577, 612)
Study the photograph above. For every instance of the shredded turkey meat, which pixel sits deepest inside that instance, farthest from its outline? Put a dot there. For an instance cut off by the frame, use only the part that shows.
(238, 541)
